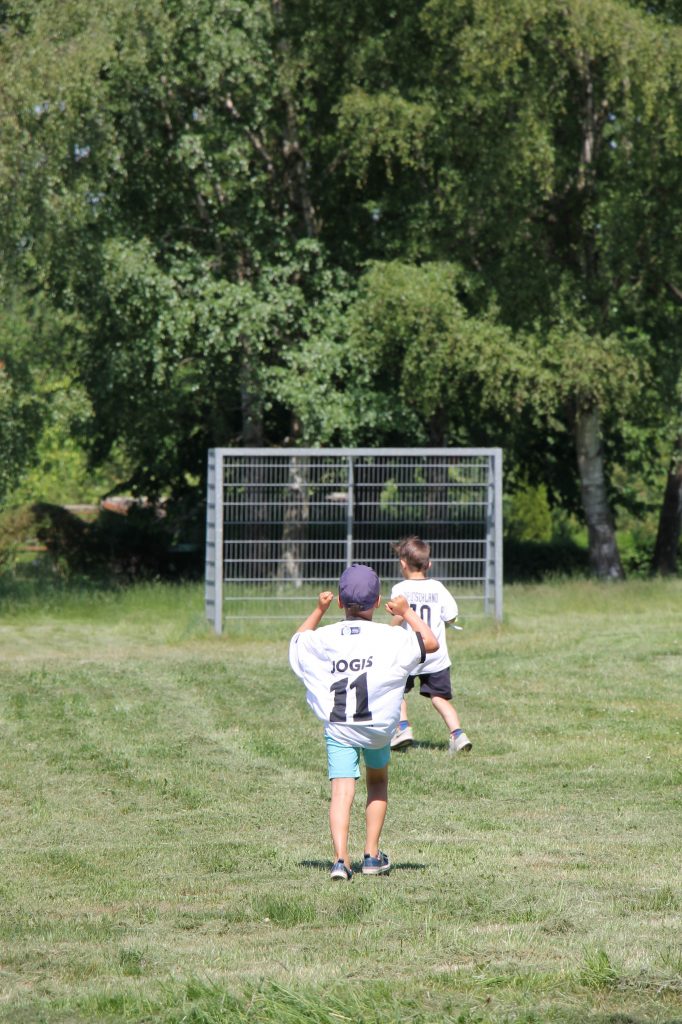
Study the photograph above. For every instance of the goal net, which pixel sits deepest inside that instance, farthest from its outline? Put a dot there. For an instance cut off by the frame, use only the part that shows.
(285, 523)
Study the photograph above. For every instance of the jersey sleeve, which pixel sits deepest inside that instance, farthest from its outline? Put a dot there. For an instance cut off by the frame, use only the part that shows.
(294, 654)
(303, 653)
(448, 608)
(410, 650)
(307, 655)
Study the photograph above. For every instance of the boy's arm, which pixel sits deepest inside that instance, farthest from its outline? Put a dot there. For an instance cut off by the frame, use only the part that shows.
(396, 620)
(313, 620)
(399, 607)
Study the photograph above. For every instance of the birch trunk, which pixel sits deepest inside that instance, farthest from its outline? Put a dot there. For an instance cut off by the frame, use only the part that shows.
(604, 557)
(295, 523)
(253, 437)
(296, 167)
(603, 550)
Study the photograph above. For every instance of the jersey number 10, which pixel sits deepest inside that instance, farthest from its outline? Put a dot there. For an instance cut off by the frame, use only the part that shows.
(340, 691)
(424, 613)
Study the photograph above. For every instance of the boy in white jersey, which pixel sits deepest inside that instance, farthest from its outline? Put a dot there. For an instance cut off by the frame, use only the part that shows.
(354, 672)
(436, 605)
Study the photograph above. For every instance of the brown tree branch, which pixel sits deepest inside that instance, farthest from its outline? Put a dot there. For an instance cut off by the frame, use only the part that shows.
(253, 137)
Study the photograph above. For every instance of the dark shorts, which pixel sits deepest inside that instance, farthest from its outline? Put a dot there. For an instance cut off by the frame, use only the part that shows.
(432, 684)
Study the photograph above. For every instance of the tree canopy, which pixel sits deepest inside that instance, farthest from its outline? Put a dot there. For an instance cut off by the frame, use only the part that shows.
(287, 221)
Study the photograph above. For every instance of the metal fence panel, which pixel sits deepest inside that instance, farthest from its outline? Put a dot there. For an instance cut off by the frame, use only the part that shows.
(285, 523)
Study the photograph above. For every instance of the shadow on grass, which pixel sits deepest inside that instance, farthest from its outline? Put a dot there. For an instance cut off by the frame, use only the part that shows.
(42, 590)
(318, 865)
(325, 865)
(420, 745)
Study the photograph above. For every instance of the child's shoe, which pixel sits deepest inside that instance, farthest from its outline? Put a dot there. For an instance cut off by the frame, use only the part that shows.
(459, 743)
(379, 865)
(340, 872)
(402, 737)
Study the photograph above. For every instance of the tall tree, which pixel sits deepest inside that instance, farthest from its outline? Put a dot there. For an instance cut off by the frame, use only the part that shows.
(197, 184)
(530, 126)
(160, 196)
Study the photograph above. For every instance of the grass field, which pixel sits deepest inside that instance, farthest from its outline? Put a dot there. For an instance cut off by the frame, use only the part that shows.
(164, 840)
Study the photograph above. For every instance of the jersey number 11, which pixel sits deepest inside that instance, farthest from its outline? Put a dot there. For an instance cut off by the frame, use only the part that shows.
(340, 691)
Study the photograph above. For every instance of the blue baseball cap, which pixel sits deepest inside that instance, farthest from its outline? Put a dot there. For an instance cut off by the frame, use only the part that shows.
(359, 585)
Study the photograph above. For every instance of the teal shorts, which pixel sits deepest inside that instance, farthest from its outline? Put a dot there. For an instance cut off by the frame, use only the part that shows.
(344, 761)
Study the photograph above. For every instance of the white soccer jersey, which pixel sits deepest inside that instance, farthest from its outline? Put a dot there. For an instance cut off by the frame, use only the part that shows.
(435, 605)
(354, 673)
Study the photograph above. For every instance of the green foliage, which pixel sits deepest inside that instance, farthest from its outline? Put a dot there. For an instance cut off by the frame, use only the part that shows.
(584, 369)
(173, 227)
(428, 367)
(553, 128)
(17, 525)
(388, 498)
(527, 515)
(386, 126)
(196, 190)
(636, 545)
(21, 407)
(61, 473)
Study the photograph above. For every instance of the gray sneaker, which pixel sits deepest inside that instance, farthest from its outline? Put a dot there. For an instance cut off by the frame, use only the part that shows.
(379, 865)
(402, 738)
(340, 873)
(459, 744)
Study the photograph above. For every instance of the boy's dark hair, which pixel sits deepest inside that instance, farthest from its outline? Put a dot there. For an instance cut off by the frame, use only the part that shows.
(414, 551)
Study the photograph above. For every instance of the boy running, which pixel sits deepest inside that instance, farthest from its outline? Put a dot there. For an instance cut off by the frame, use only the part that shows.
(354, 672)
(435, 604)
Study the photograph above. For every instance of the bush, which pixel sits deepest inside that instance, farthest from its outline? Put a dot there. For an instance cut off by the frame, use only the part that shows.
(636, 546)
(527, 515)
(532, 561)
(136, 546)
(17, 525)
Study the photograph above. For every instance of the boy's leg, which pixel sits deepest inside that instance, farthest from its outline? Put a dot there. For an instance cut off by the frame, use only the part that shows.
(344, 768)
(375, 810)
(403, 737)
(375, 861)
(447, 711)
(459, 741)
(437, 687)
(343, 791)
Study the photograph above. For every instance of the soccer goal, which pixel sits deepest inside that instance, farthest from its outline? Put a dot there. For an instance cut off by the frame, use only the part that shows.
(282, 524)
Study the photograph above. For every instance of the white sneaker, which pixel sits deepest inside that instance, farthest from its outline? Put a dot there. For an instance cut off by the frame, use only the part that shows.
(460, 744)
(402, 738)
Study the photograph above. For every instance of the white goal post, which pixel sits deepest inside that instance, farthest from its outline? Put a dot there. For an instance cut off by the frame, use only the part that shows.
(283, 523)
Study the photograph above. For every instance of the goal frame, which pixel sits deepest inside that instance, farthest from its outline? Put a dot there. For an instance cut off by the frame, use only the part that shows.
(217, 564)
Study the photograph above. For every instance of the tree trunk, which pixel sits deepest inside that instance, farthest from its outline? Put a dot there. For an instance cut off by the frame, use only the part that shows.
(296, 513)
(296, 175)
(604, 557)
(251, 392)
(603, 550)
(262, 555)
(664, 560)
(250, 384)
